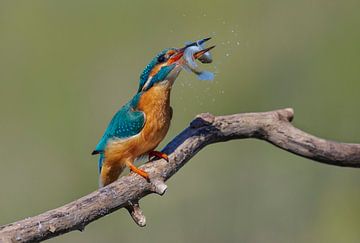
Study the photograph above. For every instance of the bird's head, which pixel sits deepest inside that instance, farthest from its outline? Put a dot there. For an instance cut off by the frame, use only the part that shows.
(166, 66)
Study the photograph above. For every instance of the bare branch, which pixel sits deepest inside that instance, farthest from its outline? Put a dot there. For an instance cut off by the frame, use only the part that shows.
(136, 213)
(273, 126)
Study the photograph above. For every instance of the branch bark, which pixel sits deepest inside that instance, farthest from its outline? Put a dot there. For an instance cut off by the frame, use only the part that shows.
(273, 126)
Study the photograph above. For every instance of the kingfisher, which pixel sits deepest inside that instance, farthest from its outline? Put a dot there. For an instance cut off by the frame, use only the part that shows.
(143, 122)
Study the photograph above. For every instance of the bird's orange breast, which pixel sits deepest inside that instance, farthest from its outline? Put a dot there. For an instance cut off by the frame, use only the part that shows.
(155, 103)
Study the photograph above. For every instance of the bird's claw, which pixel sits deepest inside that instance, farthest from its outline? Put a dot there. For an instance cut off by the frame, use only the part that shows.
(140, 172)
(159, 155)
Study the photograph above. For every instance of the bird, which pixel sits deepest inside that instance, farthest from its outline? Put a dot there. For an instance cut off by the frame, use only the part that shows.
(143, 122)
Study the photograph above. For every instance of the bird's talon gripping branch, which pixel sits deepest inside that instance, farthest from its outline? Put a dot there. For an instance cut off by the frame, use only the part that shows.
(140, 172)
(159, 155)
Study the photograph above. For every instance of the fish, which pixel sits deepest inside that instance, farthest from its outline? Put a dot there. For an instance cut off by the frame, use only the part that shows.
(190, 64)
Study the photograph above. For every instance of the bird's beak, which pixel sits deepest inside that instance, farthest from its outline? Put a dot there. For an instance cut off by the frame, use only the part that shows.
(180, 52)
(176, 56)
(199, 42)
(202, 52)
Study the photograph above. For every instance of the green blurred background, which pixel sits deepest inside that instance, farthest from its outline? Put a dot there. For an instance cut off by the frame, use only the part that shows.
(67, 66)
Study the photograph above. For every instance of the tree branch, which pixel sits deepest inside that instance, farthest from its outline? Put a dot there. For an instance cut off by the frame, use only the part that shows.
(273, 126)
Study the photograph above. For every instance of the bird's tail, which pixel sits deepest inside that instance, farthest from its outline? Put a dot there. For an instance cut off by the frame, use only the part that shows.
(100, 162)
(109, 173)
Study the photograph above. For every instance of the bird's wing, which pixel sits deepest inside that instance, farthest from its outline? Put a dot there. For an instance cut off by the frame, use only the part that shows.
(127, 122)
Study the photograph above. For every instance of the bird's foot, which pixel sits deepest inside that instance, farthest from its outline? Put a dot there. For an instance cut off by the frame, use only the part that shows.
(159, 155)
(139, 172)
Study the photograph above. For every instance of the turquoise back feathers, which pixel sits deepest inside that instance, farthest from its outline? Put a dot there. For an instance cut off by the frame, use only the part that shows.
(126, 122)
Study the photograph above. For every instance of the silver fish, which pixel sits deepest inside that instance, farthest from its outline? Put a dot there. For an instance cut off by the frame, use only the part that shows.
(206, 57)
(190, 64)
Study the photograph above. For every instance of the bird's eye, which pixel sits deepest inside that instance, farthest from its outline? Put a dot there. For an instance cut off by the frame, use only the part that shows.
(162, 58)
